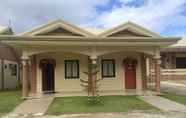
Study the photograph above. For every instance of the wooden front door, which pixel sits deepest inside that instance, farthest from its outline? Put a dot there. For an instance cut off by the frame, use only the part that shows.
(48, 69)
(130, 73)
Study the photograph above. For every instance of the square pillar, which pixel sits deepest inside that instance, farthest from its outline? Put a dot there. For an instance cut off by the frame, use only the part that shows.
(25, 77)
(33, 75)
(144, 71)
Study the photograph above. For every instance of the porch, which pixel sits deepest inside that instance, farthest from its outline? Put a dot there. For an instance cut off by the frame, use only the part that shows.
(120, 83)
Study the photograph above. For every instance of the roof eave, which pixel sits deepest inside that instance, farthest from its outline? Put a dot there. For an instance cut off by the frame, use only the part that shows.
(88, 41)
(95, 38)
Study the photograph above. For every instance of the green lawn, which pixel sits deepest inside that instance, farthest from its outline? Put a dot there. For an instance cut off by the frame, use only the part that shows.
(69, 105)
(9, 100)
(174, 97)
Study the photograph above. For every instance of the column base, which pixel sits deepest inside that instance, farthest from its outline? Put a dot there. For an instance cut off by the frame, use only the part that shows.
(24, 98)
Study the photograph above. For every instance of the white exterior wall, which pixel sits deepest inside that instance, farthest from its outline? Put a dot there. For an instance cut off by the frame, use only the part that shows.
(118, 83)
(62, 84)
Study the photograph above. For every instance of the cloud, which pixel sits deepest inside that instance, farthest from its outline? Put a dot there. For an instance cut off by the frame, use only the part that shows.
(25, 14)
(127, 1)
(157, 15)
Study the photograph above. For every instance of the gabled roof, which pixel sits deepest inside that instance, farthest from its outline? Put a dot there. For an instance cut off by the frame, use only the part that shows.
(57, 24)
(126, 29)
(132, 27)
(180, 43)
(180, 46)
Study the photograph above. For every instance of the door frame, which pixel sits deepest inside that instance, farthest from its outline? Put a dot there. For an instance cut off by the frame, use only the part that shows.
(42, 65)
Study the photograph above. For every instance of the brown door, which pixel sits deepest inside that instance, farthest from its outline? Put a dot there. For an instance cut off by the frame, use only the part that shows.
(48, 69)
(130, 75)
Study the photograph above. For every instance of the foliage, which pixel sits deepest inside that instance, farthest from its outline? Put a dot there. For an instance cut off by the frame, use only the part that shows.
(9, 100)
(91, 84)
(175, 97)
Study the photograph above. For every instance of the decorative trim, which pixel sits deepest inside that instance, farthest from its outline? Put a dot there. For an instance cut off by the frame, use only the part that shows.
(49, 60)
(132, 26)
(25, 62)
(129, 60)
(54, 24)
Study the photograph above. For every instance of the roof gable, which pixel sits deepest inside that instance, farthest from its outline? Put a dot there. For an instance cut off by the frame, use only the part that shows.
(58, 27)
(6, 31)
(127, 33)
(59, 32)
(129, 29)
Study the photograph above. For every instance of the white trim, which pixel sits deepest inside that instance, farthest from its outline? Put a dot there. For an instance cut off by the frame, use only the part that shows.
(56, 24)
(74, 29)
(131, 27)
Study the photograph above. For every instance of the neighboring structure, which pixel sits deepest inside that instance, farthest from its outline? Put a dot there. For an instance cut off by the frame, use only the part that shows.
(55, 56)
(174, 61)
(174, 57)
(8, 63)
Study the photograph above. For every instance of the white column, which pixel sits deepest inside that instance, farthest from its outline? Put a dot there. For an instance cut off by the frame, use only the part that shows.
(157, 68)
(93, 59)
(25, 76)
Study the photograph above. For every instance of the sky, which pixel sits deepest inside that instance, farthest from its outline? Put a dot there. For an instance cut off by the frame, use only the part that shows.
(167, 17)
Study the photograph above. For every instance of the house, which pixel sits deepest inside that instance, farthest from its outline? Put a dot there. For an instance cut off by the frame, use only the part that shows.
(55, 56)
(174, 61)
(9, 76)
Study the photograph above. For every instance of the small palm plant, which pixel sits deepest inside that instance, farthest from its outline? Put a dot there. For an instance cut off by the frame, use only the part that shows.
(92, 84)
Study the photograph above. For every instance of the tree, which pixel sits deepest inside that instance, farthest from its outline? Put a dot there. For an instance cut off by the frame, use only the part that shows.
(92, 83)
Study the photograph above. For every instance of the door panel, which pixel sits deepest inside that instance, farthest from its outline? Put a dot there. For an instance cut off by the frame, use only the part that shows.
(48, 77)
(130, 75)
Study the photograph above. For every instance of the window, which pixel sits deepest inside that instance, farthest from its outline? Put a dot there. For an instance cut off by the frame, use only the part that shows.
(71, 69)
(13, 69)
(108, 68)
(5, 66)
(180, 62)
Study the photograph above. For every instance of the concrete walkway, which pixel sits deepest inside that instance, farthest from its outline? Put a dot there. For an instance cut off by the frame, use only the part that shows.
(133, 114)
(164, 104)
(33, 106)
(172, 87)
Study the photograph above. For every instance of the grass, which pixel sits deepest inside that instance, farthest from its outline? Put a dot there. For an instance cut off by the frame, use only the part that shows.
(9, 100)
(174, 97)
(70, 105)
